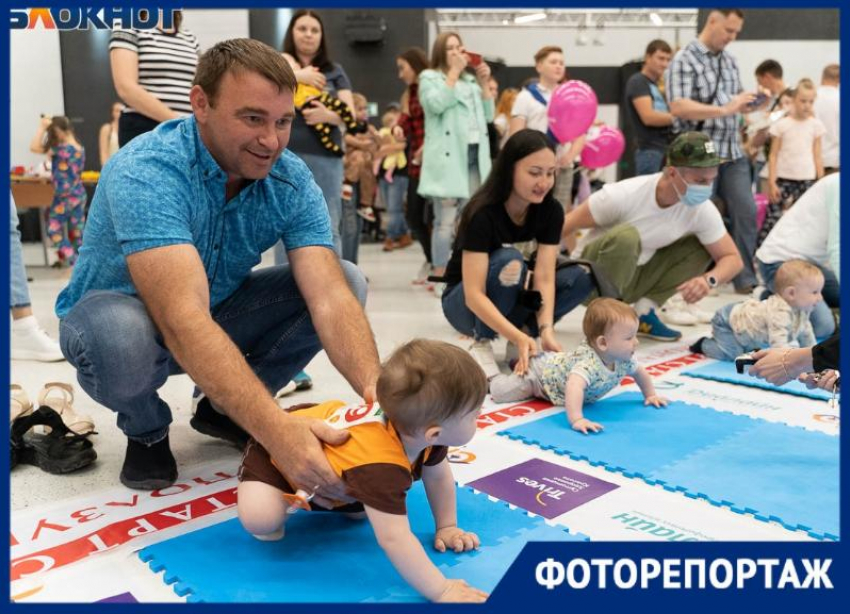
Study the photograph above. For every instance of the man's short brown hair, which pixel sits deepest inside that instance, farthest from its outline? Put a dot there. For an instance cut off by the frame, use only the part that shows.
(832, 72)
(657, 45)
(242, 55)
(425, 383)
(545, 52)
(601, 314)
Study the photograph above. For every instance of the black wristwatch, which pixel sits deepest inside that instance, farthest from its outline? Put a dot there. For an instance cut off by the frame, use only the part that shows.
(711, 280)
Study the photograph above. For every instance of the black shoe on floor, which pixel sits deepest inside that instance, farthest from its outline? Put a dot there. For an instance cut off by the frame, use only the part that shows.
(210, 422)
(148, 467)
(696, 348)
(58, 451)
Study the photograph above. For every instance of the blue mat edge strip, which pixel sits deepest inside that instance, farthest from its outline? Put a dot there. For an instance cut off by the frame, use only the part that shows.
(825, 536)
(182, 589)
(756, 383)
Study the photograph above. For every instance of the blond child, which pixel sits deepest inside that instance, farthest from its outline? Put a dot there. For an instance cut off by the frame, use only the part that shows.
(587, 373)
(795, 161)
(780, 321)
(393, 150)
(430, 395)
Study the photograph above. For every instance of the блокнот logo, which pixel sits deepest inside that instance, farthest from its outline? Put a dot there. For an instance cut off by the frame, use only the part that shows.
(91, 17)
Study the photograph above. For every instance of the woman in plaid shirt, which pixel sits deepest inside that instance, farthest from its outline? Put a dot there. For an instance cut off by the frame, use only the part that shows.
(411, 126)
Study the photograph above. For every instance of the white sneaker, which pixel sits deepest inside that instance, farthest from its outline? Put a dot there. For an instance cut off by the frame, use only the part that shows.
(702, 316)
(29, 342)
(439, 289)
(422, 276)
(482, 352)
(676, 311)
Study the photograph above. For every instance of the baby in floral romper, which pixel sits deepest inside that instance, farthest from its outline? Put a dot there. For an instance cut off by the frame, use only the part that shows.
(587, 373)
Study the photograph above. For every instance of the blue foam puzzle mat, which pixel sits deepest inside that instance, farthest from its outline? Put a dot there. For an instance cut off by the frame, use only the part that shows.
(773, 471)
(330, 558)
(719, 371)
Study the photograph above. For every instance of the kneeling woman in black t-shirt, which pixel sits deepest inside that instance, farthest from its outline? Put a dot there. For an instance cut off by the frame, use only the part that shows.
(506, 220)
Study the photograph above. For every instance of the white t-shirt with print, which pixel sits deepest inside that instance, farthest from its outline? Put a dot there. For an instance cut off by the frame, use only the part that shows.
(796, 158)
(633, 201)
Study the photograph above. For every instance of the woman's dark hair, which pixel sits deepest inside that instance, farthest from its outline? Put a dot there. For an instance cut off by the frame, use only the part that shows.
(416, 57)
(322, 61)
(496, 190)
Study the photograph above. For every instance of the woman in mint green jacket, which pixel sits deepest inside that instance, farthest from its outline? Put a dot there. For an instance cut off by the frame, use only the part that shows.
(456, 155)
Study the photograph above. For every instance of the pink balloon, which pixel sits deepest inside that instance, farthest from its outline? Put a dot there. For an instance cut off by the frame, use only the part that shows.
(604, 149)
(572, 110)
(762, 201)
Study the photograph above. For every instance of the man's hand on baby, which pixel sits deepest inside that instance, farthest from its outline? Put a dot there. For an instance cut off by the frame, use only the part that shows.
(583, 425)
(298, 452)
(656, 400)
(458, 591)
(455, 538)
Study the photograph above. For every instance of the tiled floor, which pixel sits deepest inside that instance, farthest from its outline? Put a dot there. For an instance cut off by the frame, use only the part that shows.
(397, 310)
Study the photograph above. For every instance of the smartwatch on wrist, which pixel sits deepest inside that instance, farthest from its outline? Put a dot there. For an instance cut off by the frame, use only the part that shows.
(711, 280)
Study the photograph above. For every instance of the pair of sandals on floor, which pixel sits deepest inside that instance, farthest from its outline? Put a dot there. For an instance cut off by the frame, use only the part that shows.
(52, 437)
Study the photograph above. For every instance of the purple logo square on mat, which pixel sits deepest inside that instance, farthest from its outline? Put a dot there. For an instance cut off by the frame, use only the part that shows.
(122, 598)
(543, 488)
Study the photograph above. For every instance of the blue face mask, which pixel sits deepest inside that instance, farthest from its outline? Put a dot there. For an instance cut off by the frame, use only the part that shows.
(695, 194)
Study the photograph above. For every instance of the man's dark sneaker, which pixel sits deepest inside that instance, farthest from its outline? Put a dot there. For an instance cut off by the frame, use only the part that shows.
(696, 348)
(208, 421)
(148, 467)
(650, 326)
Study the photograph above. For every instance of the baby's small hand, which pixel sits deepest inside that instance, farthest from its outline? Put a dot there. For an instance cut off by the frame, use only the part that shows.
(455, 538)
(583, 425)
(458, 591)
(656, 400)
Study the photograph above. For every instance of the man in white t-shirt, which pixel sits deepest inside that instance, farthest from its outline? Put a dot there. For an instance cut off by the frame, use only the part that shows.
(828, 110)
(656, 235)
(810, 230)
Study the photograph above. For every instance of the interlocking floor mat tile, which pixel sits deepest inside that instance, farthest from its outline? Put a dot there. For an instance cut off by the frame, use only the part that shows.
(774, 471)
(330, 558)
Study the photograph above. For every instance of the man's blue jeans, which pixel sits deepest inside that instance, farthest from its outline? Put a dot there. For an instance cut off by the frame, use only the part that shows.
(648, 161)
(122, 361)
(734, 185)
(19, 295)
(572, 285)
(822, 321)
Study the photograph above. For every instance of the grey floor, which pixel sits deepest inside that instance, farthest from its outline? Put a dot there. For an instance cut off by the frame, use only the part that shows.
(398, 311)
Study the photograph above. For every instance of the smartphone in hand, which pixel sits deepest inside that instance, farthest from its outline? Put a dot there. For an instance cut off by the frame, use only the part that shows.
(473, 59)
(758, 100)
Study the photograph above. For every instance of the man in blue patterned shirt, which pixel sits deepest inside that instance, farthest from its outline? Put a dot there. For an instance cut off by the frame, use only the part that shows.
(705, 94)
(165, 281)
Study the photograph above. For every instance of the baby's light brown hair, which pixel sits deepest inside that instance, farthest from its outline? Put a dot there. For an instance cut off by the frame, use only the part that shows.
(793, 272)
(425, 382)
(601, 314)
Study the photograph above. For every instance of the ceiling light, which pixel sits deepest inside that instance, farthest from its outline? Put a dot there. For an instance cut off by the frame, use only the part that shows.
(529, 18)
(656, 19)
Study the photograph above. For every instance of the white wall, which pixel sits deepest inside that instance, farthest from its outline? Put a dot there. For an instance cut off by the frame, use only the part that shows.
(35, 88)
(212, 27)
(798, 58)
(516, 45)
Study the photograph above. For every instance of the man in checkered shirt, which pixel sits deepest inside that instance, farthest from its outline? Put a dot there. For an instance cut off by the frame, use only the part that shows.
(705, 94)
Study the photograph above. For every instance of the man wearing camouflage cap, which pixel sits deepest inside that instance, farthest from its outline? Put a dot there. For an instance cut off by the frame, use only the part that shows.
(656, 235)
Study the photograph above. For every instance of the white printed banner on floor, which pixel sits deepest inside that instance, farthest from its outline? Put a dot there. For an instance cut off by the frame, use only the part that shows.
(50, 538)
(811, 414)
